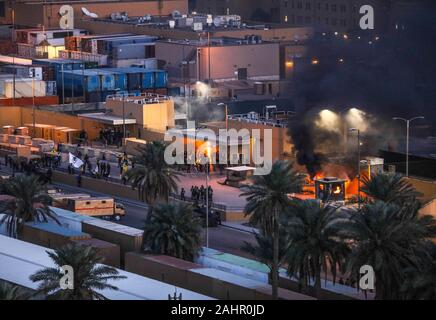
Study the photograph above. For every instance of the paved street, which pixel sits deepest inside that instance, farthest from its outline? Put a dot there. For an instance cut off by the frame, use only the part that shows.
(220, 238)
(227, 195)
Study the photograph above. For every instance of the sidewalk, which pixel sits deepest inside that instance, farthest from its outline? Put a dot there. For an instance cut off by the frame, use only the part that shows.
(239, 226)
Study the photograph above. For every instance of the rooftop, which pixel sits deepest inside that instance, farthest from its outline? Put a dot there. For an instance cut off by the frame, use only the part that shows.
(107, 118)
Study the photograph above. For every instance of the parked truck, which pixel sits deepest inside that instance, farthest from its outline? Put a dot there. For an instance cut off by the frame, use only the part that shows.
(103, 207)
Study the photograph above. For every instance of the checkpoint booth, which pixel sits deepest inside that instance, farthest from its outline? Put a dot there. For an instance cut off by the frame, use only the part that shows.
(238, 176)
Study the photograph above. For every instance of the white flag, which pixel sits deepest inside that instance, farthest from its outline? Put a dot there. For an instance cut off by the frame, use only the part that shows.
(76, 162)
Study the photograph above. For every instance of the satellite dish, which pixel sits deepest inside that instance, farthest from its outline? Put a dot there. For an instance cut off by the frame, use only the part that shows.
(86, 12)
(176, 13)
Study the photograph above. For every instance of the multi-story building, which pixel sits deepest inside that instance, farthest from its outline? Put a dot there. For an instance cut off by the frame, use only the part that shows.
(32, 13)
(220, 59)
(333, 15)
(256, 10)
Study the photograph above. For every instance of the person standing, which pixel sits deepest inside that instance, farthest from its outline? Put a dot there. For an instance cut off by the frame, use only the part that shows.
(79, 180)
(182, 194)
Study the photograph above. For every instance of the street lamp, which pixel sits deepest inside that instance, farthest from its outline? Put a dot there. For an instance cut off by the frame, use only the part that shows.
(226, 108)
(408, 121)
(358, 164)
(207, 203)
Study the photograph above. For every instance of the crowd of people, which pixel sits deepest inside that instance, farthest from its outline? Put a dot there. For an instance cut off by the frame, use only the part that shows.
(29, 166)
(111, 136)
(198, 194)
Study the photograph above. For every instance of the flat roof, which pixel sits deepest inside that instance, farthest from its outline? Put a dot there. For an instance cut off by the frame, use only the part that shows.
(240, 168)
(19, 260)
(57, 229)
(115, 227)
(229, 277)
(106, 118)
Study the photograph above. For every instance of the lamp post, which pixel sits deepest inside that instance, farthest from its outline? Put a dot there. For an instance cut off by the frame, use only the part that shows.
(407, 121)
(207, 203)
(226, 109)
(358, 164)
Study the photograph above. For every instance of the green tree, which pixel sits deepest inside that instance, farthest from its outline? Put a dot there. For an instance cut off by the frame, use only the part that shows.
(31, 203)
(153, 177)
(387, 242)
(420, 283)
(267, 198)
(314, 244)
(173, 230)
(390, 188)
(262, 250)
(89, 276)
(10, 291)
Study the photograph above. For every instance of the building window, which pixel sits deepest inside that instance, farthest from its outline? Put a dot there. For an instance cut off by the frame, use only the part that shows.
(334, 22)
(286, 18)
(299, 5)
(308, 20)
(326, 20)
(319, 6)
(343, 22)
(326, 7)
(299, 19)
(334, 7)
(2, 8)
(286, 4)
(307, 5)
(343, 8)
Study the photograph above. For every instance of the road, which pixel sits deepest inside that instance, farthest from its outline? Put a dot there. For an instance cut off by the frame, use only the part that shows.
(221, 238)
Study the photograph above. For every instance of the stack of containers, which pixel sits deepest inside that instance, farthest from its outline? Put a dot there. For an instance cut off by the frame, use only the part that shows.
(85, 83)
(60, 66)
(134, 78)
(110, 79)
(160, 79)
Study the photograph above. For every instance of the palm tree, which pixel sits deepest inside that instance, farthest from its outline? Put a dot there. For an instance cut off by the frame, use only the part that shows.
(153, 177)
(388, 243)
(267, 197)
(10, 291)
(314, 245)
(420, 283)
(173, 230)
(263, 249)
(89, 276)
(30, 202)
(390, 188)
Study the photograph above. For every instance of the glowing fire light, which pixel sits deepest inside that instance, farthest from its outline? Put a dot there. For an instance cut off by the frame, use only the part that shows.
(337, 190)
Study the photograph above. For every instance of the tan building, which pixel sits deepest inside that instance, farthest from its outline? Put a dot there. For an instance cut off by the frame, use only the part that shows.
(154, 114)
(33, 13)
(220, 60)
(255, 10)
(160, 26)
(281, 147)
(333, 15)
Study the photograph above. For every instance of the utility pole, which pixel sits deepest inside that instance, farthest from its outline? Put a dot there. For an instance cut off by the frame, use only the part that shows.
(63, 84)
(358, 164)
(207, 203)
(408, 121)
(33, 102)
